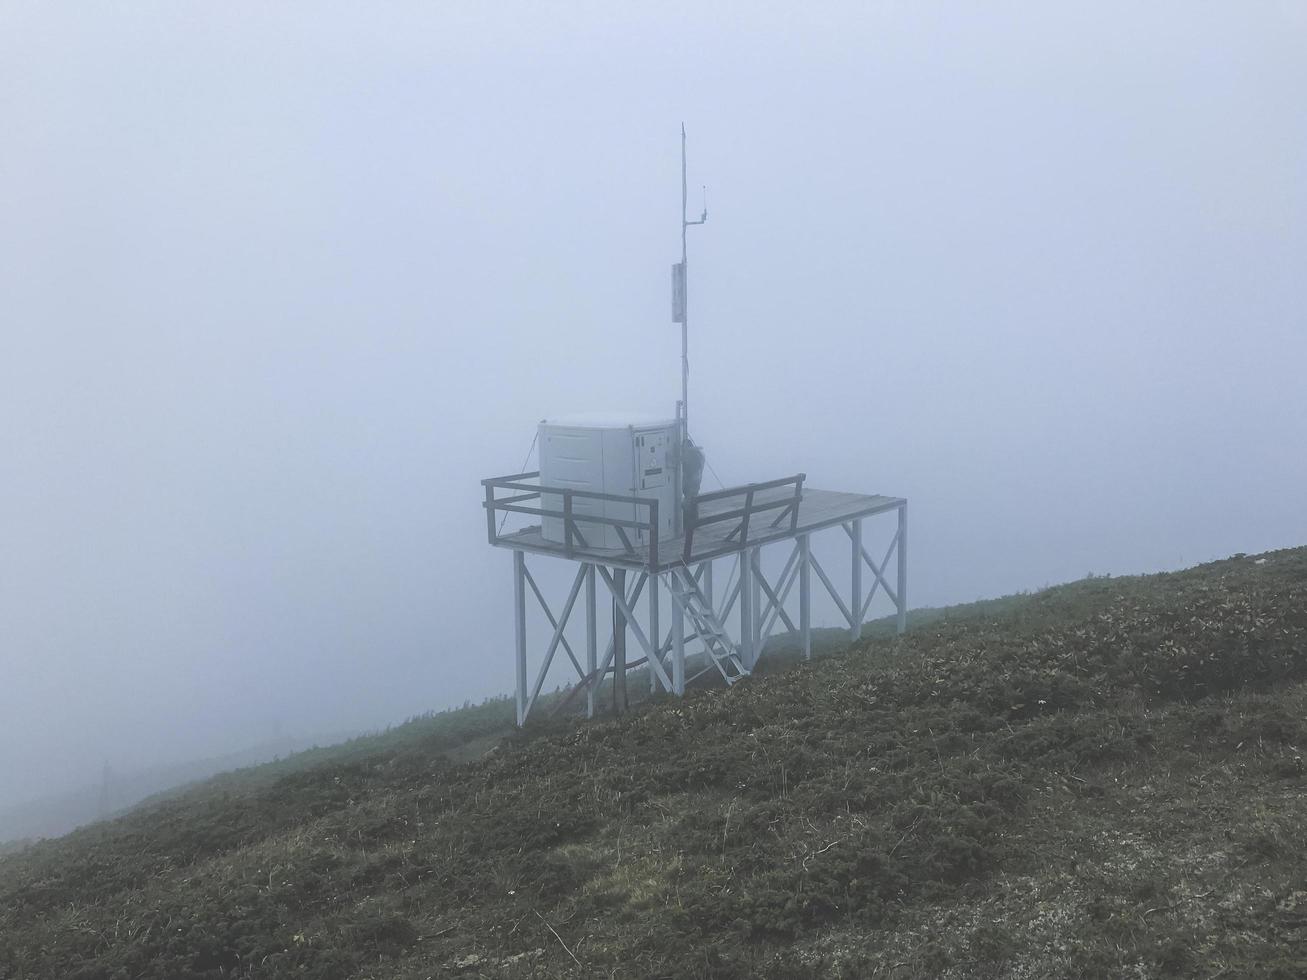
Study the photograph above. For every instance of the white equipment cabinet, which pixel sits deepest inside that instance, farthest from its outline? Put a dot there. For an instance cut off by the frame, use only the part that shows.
(624, 455)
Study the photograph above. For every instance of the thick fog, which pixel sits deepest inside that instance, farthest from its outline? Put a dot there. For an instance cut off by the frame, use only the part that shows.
(279, 284)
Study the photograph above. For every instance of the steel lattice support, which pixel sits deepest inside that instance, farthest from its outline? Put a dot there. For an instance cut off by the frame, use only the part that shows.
(697, 626)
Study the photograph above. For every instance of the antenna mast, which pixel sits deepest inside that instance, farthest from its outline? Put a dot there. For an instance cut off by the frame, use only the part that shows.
(680, 292)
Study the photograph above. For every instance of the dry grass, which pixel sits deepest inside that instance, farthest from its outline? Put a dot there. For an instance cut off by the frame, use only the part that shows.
(1104, 779)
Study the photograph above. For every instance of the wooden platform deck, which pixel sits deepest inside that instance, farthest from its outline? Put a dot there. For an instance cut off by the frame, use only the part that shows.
(818, 509)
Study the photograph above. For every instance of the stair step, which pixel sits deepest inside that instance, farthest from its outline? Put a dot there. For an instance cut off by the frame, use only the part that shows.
(708, 628)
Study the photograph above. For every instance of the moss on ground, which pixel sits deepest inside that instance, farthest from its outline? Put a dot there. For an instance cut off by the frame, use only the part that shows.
(1103, 779)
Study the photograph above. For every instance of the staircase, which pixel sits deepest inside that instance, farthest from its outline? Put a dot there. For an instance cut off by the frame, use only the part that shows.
(722, 651)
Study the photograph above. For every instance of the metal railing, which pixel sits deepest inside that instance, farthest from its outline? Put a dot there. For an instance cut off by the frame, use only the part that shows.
(573, 536)
(788, 505)
(528, 498)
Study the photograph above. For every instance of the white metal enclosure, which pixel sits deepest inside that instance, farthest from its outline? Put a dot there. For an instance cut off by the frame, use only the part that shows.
(610, 454)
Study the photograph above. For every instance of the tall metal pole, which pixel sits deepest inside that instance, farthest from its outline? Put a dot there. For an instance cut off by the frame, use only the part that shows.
(685, 309)
(685, 287)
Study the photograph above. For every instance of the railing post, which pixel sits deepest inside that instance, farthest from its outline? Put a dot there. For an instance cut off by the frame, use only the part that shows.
(490, 513)
(653, 537)
(798, 499)
(744, 522)
(567, 522)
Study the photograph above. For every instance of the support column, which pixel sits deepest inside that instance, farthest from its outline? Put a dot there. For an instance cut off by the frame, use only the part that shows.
(591, 641)
(755, 603)
(805, 596)
(619, 645)
(655, 631)
(519, 631)
(678, 647)
(705, 582)
(855, 607)
(903, 567)
(747, 632)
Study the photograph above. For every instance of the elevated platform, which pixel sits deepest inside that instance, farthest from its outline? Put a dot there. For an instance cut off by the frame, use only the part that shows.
(739, 521)
(817, 510)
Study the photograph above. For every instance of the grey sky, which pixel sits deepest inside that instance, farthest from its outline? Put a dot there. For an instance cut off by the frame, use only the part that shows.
(280, 283)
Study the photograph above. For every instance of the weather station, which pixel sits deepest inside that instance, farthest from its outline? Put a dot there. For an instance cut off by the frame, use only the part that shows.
(619, 496)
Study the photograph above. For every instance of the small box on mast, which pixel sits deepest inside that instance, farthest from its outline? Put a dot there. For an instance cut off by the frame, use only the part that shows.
(678, 292)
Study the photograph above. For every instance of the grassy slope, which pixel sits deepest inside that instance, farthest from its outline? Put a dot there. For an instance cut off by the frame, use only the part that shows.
(461, 733)
(1102, 779)
(57, 814)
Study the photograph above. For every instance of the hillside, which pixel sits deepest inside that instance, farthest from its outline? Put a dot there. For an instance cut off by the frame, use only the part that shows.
(1101, 779)
(59, 813)
(465, 732)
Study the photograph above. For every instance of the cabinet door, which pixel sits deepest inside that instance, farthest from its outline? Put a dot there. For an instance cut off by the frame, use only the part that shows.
(656, 477)
(573, 458)
(651, 451)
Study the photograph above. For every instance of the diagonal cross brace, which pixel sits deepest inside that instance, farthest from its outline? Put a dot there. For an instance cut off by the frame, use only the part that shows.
(593, 678)
(550, 615)
(729, 600)
(784, 586)
(825, 580)
(776, 604)
(877, 570)
(654, 663)
(880, 579)
(631, 598)
(557, 637)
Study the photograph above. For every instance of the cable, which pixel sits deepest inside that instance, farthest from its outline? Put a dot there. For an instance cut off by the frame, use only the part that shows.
(713, 472)
(521, 469)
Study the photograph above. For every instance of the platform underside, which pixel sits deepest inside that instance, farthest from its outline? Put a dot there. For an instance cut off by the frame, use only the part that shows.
(817, 510)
